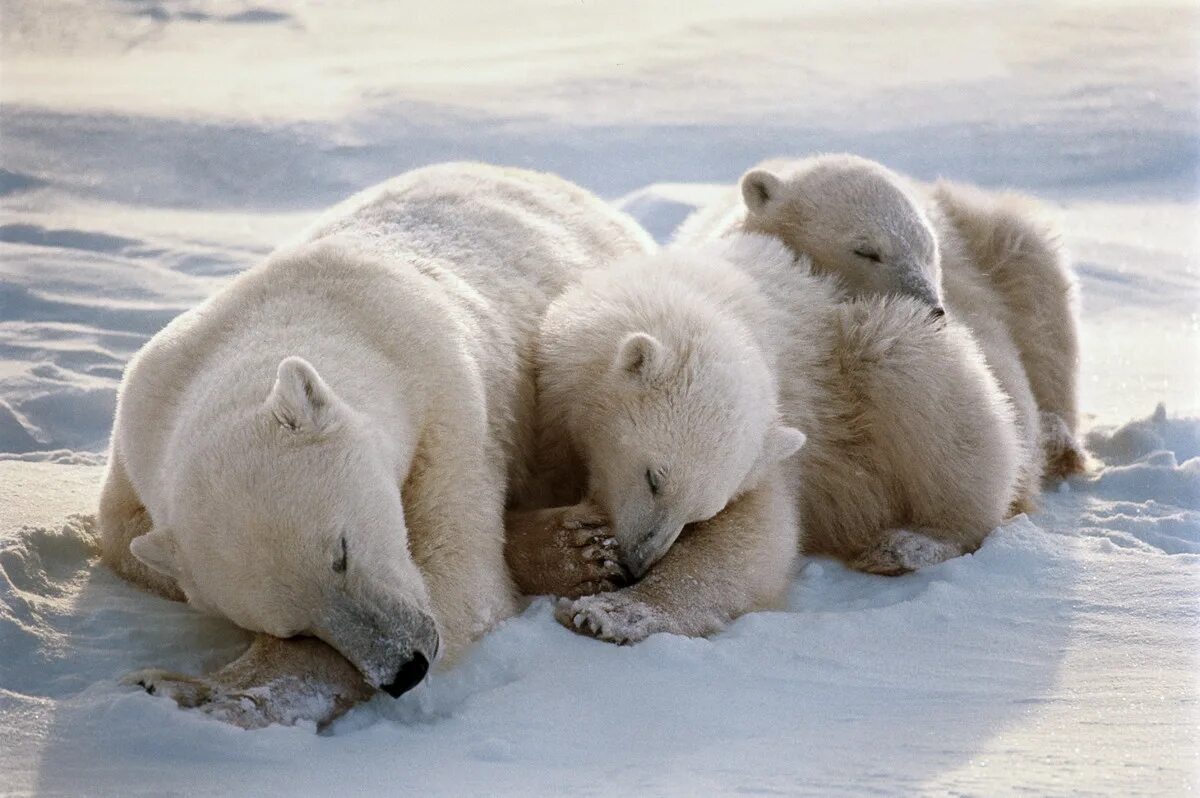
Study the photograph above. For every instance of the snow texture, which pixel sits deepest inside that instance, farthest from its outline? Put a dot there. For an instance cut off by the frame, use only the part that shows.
(153, 148)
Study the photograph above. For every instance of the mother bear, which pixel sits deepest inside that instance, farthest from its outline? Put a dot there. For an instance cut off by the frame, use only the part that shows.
(322, 449)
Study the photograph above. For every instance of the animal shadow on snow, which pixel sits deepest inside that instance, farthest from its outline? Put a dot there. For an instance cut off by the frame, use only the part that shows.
(70, 628)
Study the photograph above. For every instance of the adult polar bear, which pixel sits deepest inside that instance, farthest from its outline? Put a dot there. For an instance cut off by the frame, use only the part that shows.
(995, 264)
(323, 447)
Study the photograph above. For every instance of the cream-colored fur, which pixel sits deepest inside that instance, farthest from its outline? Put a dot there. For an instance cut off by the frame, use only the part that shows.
(986, 258)
(1005, 237)
(657, 385)
(911, 450)
(324, 447)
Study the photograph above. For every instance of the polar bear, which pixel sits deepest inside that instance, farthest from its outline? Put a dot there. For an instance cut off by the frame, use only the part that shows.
(656, 402)
(987, 258)
(684, 382)
(325, 447)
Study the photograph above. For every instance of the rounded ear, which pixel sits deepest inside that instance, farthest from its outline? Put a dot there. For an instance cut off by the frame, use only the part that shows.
(759, 187)
(156, 549)
(300, 400)
(782, 443)
(640, 355)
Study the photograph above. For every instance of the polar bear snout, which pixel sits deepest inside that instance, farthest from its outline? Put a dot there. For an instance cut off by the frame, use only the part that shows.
(650, 547)
(912, 279)
(409, 676)
(392, 649)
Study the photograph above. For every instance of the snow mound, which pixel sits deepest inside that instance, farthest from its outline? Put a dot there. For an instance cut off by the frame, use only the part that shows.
(61, 612)
(1142, 439)
(1143, 458)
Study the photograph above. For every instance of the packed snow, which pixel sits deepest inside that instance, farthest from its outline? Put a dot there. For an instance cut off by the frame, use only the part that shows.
(153, 148)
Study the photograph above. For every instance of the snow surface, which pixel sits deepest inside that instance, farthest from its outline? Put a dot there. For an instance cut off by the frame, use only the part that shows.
(152, 148)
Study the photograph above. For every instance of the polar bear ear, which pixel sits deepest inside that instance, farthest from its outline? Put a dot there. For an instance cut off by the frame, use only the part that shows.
(782, 443)
(641, 355)
(300, 400)
(156, 549)
(759, 187)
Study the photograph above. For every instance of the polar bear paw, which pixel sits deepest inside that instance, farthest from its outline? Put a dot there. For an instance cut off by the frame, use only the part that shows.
(1064, 455)
(240, 708)
(564, 551)
(186, 691)
(900, 551)
(613, 617)
(284, 701)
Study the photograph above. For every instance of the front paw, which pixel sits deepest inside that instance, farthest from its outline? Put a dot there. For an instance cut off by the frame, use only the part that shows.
(566, 551)
(614, 617)
(591, 561)
(186, 691)
(285, 701)
(240, 708)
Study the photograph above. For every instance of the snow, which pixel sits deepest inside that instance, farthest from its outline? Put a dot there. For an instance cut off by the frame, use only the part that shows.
(152, 148)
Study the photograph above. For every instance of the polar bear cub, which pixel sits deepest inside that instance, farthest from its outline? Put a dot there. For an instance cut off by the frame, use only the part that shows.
(657, 397)
(324, 448)
(680, 382)
(987, 259)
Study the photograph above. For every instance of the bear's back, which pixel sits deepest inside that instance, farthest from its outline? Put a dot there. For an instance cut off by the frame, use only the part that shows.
(512, 238)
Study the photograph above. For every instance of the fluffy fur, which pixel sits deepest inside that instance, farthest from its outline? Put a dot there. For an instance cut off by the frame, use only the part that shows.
(657, 402)
(323, 448)
(911, 452)
(1029, 286)
(986, 258)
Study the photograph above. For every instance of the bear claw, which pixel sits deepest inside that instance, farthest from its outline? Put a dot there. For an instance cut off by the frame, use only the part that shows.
(612, 617)
(568, 552)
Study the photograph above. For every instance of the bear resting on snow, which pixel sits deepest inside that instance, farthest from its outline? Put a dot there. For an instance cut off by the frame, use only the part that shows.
(989, 259)
(681, 380)
(322, 451)
(924, 432)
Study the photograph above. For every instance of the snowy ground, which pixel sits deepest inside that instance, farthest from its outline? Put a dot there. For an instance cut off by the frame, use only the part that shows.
(151, 148)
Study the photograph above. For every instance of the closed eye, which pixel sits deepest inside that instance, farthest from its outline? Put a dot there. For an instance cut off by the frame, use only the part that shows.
(652, 482)
(339, 564)
(869, 254)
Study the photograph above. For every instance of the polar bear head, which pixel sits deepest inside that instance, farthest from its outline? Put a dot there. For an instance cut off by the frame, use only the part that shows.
(856, 220)
(667, 400)
(287, 520)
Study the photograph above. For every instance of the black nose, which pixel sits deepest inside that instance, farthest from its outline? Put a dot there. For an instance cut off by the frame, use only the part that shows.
(409, 676)
(937, 312)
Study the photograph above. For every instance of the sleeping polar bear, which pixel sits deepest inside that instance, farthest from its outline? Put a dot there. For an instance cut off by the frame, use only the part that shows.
(323, 448)
(988, 258)
(686, 382)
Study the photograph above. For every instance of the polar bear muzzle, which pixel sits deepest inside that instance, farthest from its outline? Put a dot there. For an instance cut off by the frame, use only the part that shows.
(392, 649)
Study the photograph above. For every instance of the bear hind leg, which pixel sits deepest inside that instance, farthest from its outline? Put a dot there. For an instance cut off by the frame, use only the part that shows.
(901, 551)
(121, 519)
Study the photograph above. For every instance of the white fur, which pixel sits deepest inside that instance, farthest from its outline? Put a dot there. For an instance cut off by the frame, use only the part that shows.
(986, 258)
(656, 378)
(1004, 242)
(657, 398)
(906, 428)
(371, 384)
